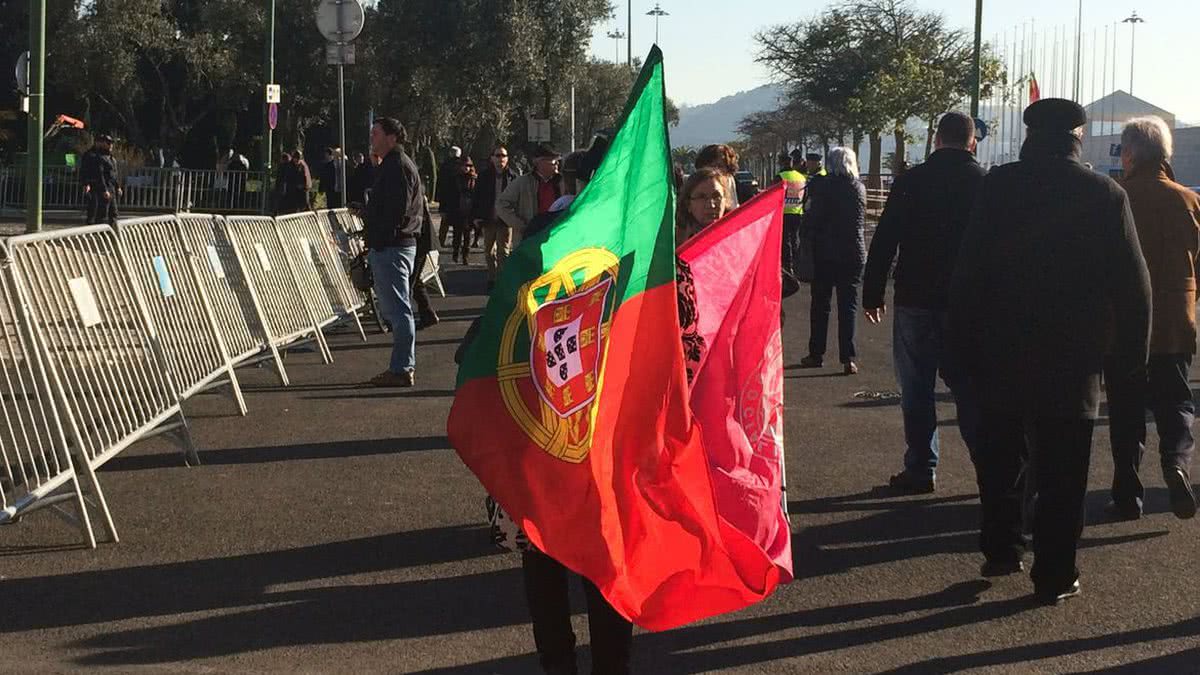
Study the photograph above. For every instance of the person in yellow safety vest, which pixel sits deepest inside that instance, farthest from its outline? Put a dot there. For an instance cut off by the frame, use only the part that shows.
(793, 212)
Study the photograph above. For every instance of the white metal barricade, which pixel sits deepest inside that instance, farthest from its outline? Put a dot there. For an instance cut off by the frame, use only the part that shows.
(183, 317)
(235, 303)
(102, 353)
(268, 268)
(348, 230)
(36, 469)
(315, 257)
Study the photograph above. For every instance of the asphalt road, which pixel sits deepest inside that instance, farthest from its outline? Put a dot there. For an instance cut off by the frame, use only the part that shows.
(333, 530)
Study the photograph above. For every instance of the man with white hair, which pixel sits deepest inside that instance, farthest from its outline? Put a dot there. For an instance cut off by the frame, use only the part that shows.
(1167, 216)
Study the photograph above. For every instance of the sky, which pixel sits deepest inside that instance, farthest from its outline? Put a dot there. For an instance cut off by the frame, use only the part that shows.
(709, 47)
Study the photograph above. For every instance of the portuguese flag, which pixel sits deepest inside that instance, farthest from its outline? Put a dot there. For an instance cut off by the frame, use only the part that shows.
(572, 402)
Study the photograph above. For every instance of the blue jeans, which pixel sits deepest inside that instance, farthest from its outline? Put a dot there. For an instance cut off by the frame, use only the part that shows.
(393, 268)
(920, 352)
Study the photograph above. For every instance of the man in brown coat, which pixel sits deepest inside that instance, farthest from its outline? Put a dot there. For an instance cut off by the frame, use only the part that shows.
(1167, 216)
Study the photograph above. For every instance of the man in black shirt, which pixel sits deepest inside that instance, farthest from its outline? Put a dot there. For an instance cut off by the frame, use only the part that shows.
(394, 216)
(925, 216)
(98, 173)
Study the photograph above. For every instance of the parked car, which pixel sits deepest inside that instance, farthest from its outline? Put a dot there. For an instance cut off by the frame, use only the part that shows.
(747, 185)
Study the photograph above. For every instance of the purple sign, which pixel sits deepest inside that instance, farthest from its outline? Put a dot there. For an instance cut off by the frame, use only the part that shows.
(273, 115)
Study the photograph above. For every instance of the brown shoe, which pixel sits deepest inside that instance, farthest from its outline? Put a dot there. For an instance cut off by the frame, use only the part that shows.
(389, 379)
(850, 368)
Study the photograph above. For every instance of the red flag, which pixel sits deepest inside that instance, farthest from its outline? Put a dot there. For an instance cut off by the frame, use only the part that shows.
(737, 391)
(1035, 92)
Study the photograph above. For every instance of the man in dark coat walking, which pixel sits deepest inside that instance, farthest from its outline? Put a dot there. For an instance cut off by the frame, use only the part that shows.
(98, 173)
(1050, 255)
(925, 216)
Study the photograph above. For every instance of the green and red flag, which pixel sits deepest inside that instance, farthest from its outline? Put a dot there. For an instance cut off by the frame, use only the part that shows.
(572, 402)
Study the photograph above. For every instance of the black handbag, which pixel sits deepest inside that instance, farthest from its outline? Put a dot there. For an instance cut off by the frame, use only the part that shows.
(360, 273)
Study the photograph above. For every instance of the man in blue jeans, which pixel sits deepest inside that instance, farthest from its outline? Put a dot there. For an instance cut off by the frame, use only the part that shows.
(394, 216)
(926, 213)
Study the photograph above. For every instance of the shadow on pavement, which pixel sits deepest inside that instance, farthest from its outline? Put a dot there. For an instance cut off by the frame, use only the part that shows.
(282, 453)
(1184, 662)
(387, 393)
(263, 608)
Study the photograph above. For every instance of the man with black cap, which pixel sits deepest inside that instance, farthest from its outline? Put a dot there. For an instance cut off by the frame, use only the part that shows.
(98, 173)
(1049, 257)
(532, 194)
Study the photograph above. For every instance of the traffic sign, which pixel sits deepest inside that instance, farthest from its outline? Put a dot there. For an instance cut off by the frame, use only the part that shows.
(23, 73)
(273, 93)
(340, 20)
(339, 55)
(273, 115)
(539, 130)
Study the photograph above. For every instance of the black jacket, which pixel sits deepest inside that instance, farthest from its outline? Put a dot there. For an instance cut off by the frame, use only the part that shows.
(396, 206)
(485, 192)
(926, 214)
(99, 171)
(1050, 255)
(835, 216)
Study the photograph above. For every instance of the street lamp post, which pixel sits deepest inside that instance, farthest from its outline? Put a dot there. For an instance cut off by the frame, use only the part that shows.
(37, 113)
(616, 36)
(629, 33)
(269, 73)
(658, 12)
(1133, 20)
(975, 59)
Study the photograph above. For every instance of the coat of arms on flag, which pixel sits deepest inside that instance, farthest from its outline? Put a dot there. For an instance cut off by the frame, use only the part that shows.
(566, 348)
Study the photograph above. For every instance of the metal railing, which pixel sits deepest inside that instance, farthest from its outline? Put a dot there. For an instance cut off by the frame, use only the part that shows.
(171, 290)
(164, 190)
(36, 469)
(322, 277)
(268, 269)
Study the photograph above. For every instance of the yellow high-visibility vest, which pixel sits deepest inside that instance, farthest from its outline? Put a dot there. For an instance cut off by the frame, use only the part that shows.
(793, 194)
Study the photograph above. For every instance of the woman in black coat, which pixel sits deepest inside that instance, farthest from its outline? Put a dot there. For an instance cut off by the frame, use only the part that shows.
(834, 219)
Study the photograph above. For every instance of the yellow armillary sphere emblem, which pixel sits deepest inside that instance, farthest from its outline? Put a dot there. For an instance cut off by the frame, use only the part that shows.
(552, 352)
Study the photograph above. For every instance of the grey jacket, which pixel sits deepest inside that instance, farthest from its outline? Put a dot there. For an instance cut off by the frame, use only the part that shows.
(518, 203)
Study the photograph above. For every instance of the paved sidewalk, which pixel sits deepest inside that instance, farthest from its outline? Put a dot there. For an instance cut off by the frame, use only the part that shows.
(333, 530)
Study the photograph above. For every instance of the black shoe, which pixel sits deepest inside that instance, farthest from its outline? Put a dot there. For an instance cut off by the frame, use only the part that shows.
(1058, 597)
(812, 361)
(1183, 501)
(427, 320)
(909, 484)
(1123, 510)
(1001, 568)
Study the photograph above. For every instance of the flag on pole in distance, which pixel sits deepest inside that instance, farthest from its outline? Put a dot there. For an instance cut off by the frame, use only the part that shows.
(737, 389)
(572, 401)
(1035, 92)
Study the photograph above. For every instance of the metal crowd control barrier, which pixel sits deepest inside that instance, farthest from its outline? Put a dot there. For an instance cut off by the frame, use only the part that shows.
(103, 355)
(238, 309)
(37, 469)
(315, 257)
(348, 230)
(147, 189)
(179, 306)
(285, 304)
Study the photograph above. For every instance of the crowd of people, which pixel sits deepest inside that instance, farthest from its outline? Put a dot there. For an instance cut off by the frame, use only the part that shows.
(1028, 290)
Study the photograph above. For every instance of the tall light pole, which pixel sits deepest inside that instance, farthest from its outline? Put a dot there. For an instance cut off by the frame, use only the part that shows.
(1078, 88)
(37, 114)
(658, 12)
(1133, 20)
(629, 33)
(269, 73)
(616, 36)
(975, 74)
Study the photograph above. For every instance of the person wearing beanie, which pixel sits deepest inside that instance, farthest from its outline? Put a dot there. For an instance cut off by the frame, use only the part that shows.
(1049, 257)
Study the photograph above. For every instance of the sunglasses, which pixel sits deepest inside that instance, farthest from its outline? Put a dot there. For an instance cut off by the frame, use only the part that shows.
(500, 155)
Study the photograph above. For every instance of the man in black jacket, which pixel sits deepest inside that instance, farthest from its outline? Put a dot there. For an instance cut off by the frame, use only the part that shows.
(497, 235)
(98, 173)
(925, 216)
(1050, 256)
(394, 217)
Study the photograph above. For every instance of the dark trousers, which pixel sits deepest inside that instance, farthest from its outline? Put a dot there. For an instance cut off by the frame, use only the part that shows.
(550, 610)
(463, 232)
(845, 278)
(1054, 454)
(1163, 389)
(101, 210)
(420, 294)
(791, 240)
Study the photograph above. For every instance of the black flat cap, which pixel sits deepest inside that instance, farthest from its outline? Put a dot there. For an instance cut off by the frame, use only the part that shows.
(542, 150)
(814, 156)
(1055, 114)
(104, 137)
